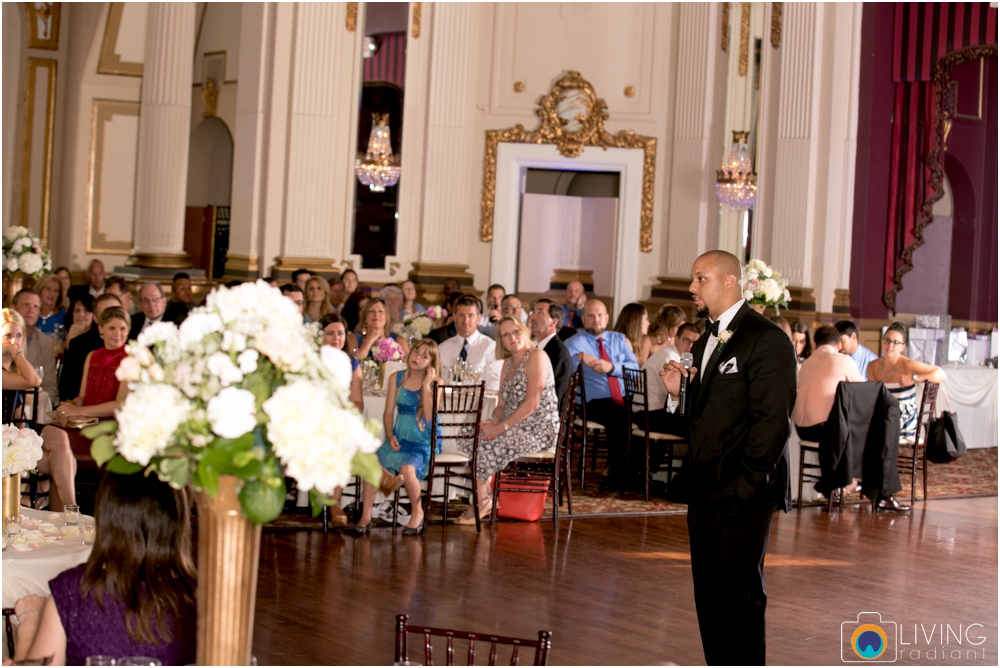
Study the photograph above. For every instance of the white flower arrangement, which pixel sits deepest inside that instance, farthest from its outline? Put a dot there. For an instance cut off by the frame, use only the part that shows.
(24, 252)
(414, 327)
(22, 448)
(240, 388)
(764, 285)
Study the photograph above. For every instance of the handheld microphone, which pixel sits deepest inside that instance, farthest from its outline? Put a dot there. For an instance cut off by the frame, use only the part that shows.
(687, 359)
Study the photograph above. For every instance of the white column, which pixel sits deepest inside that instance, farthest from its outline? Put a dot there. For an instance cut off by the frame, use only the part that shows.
(694, 211)
(164, 135)
(446, 214)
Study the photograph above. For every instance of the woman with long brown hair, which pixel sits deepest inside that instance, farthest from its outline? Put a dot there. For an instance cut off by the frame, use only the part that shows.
(317, 299)
(663, 329)
(135, 596)
(376, 323)
(633, 322)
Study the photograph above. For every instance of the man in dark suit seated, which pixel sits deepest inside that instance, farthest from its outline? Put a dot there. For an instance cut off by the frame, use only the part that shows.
(740, 395)
(544, 320)
(181, 298)
(118, 286)
(94, 284)
(72, 368)
(153, 304)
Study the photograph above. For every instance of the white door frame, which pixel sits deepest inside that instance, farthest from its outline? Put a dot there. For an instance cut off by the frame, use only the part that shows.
(513, 161)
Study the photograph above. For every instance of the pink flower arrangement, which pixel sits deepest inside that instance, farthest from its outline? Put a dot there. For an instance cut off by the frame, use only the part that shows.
(435, 312)
(387, 350)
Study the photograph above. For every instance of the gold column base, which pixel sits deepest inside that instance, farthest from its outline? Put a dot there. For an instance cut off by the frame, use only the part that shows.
(285, 265)
(159, 260)
(11, 496)
(241, 268)
(842, 301)
(228, 555)
(429, 279)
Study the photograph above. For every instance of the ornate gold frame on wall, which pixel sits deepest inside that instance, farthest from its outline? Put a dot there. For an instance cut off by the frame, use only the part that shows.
(109, 61)
(570, 90)
(102, 112)
(49, 11)
(48, 135)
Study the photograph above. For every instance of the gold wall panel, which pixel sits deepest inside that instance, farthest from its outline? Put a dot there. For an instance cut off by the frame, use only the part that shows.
(43, 24)
(97, 238)
(110, 62)
(48, 120)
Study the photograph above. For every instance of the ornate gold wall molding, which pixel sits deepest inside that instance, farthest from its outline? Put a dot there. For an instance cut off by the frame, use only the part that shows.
(776, 9)
(97, 239)
(418, 10)
(572, 118)
(43, 24)
(352, 16)
(725, 27)
(110, 62)
(744, 38)
(28, 148)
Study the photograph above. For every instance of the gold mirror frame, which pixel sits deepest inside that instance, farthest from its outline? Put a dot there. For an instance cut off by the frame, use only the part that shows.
(571, 145)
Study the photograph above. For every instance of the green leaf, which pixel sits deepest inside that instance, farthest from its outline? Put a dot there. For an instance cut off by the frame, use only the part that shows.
(317, 500)
(99, 429)
(207, 478)
(122, 466)
(102, 450)
(368, 467)
(244, 442)
(253, 470)
(174, 470)
(262, 502)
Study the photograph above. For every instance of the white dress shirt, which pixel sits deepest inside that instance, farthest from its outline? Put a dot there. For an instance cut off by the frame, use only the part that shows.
(147, 322)
(711, 343)
(544, 342)
(481, 351)
(656, 393)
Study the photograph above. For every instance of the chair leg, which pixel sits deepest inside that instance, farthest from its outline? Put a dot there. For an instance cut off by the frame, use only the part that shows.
(802, 471)
(496, 499)
(326, 518)
(913, 476)
(647, 467)
(444, 501)
(425, 501)
(583, 457)
(475, 501)
(923, 464)
(395, 508)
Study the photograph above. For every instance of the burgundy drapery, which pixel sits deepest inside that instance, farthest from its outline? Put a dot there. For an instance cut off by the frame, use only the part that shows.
(923, 33)
(389, 62)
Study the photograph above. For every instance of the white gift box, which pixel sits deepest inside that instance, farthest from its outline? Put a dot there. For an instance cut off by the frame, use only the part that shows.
(925, 345)
(958, 341)
(976, 350)
(934, 322)
(994, 343)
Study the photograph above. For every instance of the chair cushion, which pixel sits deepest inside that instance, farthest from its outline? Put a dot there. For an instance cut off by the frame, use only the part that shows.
(544, 455)
(593, 426)
(451, 458)
(657, 436)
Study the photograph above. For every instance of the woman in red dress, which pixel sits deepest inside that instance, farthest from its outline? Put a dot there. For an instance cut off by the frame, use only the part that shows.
(100, 391)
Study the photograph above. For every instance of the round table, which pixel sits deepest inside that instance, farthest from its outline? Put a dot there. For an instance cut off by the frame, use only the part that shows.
(972, 391)
(29, 572)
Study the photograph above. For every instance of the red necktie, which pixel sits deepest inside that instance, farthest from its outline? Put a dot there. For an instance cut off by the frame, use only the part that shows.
(616, 390)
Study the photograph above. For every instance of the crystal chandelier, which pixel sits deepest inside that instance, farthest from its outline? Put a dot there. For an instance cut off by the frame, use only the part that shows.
(379, 168)
(736, 182)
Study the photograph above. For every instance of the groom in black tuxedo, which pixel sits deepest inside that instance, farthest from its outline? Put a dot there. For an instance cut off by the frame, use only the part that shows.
(740, 395)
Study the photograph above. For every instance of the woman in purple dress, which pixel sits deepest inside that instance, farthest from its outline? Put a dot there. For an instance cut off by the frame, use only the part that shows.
(135, 596)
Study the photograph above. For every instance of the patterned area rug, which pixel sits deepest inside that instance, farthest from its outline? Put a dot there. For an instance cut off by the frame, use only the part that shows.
(975, 474)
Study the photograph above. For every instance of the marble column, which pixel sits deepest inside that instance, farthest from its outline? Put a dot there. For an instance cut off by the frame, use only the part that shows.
(164, 136)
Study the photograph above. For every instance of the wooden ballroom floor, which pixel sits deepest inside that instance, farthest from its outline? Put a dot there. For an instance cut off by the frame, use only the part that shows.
(619, 592)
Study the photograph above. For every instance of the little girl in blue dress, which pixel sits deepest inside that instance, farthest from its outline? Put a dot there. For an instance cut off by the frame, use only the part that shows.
(407, 450)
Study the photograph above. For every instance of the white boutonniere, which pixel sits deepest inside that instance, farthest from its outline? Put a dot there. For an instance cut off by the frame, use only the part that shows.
(724, 337)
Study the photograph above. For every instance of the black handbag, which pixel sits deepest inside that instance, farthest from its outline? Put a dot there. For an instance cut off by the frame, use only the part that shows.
(944, 442)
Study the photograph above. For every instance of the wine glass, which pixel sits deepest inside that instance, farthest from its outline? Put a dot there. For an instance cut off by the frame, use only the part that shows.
(477, 372)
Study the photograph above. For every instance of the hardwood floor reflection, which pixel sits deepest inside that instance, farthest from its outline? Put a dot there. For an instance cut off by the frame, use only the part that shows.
(618, 591)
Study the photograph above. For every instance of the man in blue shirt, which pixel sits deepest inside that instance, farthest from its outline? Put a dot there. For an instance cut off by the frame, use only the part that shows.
(861, 355)
(604, 354)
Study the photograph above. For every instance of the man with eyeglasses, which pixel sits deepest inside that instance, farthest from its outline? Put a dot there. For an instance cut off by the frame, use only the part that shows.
(152, 304)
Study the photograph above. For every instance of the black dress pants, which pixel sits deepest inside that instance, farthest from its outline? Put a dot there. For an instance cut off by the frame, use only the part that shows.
(728, 543)
(615, 421)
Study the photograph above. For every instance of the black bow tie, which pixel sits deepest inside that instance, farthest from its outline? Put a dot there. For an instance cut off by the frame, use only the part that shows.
(713, 329)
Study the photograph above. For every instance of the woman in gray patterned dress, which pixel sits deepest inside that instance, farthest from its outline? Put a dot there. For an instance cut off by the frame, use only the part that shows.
(526, 419)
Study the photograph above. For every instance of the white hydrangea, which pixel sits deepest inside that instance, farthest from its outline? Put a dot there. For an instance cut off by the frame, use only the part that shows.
(12, 264)
(22, 448)
(339, 365)
(772, 291)
(232, 412)
(748, 295)
(21, 244)
(197, 326)
(15, 231)
(158, 332)
(283, 348)
(148, 419)
(313, 437)
(223, 368)
(247, 361)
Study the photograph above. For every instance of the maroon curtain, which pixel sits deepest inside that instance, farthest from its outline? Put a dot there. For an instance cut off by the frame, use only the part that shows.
(923, 33)
(389, 61)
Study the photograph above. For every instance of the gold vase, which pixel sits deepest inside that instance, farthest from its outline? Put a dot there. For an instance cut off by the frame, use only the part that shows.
(228, 555)
(11, 496)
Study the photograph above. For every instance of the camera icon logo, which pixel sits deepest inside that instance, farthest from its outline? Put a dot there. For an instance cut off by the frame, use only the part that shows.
(868, 639)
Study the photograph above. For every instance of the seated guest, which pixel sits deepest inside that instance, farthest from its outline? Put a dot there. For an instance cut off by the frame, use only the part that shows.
(604, 354)
(40, 348)
(153, 307)
(271, 280)
(66, 279)
(352, 307)
(338, 294)
(300, 277)
(410, 305)
(376, 323)
(544, 321)
(563, 332)
(350, 279)
(407, 450)
(295, 293)
(526, 419)
(687, 336)
(317, 294)
(800, 341)
(849, 345)
(118, 286)
(95, 281)
(392, 294)
(662, 329)
(509, 305)
(448, 329)
(334, 330)
(52, 316)
(79, 318)
(470, 345)
(100, 392)
(450, 286)
(817, 385)
(901, 374)
(633, 322)
(783, 324)
(576, 299)
(18, 375)
(81, 346)
(492, 312)
(135, 595)
(181, 298)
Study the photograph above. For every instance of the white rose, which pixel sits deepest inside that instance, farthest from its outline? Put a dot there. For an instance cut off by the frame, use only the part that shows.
(748, 295)
(129, 370)
(20, 245)
(147, 421)
(282, 348)
(158, 332)
(22, 449)
(338, 364)
(223, 368)
(9, 433)
(248, 361)
(197, 326)
(156, 373)
(12, 264)
(232, 412)
(766, 271)
(30, 263)
(13, 232)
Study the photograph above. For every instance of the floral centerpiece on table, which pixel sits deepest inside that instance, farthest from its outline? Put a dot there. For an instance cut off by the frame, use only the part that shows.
(414, 327)
(435, 312)
(763, 285)
(22, 448)
(240, 389)
(387, 350)
(24, 252)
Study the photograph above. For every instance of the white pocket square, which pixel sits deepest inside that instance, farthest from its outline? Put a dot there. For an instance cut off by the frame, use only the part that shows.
(728, 367)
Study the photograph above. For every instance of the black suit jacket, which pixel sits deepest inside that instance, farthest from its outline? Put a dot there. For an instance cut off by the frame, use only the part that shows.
(442, 334)
(562, 364)
(565, 333)
(739, 422)
(72, 369)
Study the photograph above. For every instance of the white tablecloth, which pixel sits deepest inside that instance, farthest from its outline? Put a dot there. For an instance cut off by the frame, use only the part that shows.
(29, 572)
(972, 391)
